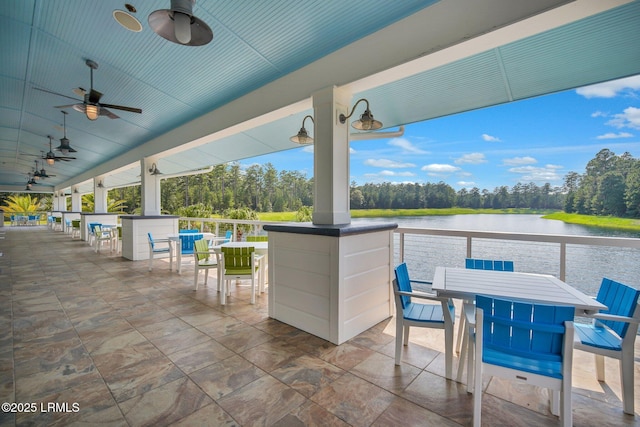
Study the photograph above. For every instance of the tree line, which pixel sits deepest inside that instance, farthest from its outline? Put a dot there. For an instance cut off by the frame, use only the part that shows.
(610, 185)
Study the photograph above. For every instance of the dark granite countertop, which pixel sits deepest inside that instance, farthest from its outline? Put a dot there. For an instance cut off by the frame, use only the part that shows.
(339, 230)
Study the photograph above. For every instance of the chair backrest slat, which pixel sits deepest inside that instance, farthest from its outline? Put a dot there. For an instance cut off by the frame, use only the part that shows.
(488, 264)
(524, 329)
(151, 241)
(404, 283)
(202, 249)
(620, 300)
(187, 241)
(238, 258)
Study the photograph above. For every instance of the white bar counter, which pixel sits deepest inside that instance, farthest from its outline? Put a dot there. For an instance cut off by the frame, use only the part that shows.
(331, 281)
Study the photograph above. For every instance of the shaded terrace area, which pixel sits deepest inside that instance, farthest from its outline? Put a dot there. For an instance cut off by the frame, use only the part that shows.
(133, 347)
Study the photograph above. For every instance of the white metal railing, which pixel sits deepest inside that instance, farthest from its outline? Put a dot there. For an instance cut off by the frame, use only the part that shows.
(540, 249)
(213, 225)
(561, 240)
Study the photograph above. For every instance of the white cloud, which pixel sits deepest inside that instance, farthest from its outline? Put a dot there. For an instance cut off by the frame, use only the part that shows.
(466, 184)
(490, 138)
(387, 173)
(612, 135)
(610, 89)
(473, 158)
(548, 173)
(406, 146)
(393, 173)
(436, 168)
(629, 118)
(515, 161)
(599, 114)
(386, 163)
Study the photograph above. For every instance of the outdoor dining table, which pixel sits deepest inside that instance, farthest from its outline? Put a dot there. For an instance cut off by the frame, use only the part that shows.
(466, 284)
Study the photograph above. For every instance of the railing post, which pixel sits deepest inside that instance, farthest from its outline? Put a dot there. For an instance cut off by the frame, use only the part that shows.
(469, 247)
(401, 248)
(563, 260)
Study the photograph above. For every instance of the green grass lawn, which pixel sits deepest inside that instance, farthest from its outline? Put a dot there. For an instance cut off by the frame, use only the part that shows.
(611, 222)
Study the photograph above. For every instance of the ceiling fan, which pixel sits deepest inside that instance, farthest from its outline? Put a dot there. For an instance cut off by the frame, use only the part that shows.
(51, 157)
(42, 173)
(91, 105)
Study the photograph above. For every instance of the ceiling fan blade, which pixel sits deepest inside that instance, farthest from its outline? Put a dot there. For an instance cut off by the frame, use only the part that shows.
(123, 108)
(65, 106)
(56, 93)
(94, 96)
(107, 113)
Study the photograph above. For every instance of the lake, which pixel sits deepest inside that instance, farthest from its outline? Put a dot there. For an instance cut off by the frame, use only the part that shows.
(586, 265)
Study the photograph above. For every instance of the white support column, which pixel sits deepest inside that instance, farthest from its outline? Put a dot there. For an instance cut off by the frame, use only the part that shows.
(76, 199)
(150, 188)
(331, 158)
(56, 201)
(99, 195)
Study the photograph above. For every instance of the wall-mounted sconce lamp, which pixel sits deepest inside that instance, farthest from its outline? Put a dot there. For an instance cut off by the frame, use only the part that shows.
(76, 191)
(154, 170)
(303, 137)
(366, 121)
(100, 185)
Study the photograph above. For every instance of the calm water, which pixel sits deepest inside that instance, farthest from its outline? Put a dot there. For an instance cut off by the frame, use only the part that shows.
(586, 266)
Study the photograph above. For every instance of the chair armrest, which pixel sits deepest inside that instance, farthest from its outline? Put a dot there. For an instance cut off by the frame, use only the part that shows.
(613, 317)
(469, 312)
(202, 253)
(422, 282)
(161, 240)
(422, 295)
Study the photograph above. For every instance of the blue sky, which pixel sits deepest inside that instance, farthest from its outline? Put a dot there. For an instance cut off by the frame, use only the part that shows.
(537, 140)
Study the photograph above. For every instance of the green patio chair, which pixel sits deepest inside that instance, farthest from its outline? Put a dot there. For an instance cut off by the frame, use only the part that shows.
(204, 260)
(237, 263)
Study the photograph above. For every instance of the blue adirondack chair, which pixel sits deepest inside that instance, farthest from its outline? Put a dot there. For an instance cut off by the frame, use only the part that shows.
(488, 264)
(187, 246)
(532, 343)
(440, 315)
(613, 334)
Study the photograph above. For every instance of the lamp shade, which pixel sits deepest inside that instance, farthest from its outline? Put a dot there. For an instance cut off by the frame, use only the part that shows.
(178, 24)
(303, 137)
(92, 111)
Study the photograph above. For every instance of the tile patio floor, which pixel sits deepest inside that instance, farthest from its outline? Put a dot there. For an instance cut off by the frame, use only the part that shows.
(133, 347)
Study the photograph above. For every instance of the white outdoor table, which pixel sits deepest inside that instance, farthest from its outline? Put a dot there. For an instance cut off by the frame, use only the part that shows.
(465, 284)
